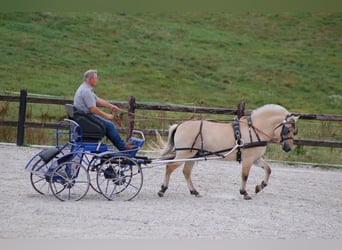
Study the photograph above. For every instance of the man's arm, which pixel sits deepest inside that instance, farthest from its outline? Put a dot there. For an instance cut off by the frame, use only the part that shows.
(99, 112)
(104, 103)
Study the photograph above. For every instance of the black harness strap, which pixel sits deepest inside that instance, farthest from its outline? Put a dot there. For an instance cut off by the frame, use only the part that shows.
(201, 135)
(204, 153)
(250, 125)
(255, 144)
(237, 134)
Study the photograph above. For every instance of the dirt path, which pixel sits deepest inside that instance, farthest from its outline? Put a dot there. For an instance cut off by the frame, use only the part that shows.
(299, 203)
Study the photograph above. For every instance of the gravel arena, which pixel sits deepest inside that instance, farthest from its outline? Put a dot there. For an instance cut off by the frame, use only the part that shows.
(300, 202)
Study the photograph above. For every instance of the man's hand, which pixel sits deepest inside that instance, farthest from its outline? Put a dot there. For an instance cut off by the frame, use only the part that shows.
(114, 108)
(109, 117)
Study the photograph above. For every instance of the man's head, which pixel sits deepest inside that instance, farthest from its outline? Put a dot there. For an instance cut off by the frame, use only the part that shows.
(90, 76)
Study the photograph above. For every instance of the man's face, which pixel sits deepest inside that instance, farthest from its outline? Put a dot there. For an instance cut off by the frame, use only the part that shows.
(92, 81)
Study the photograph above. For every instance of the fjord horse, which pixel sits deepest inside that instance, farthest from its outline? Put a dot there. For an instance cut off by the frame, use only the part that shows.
(193, 138)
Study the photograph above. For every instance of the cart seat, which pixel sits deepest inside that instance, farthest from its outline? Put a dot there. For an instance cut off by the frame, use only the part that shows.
(92, 129)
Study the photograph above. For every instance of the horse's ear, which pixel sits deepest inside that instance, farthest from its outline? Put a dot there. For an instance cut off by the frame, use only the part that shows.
(294, 118)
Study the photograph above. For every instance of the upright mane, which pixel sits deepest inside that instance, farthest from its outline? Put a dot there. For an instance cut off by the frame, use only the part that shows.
(269, 107)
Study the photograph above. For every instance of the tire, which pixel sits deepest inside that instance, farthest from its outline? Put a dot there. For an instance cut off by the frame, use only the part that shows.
(120, 178)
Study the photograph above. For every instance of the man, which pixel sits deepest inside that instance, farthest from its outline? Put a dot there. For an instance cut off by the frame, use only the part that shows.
(85, 100)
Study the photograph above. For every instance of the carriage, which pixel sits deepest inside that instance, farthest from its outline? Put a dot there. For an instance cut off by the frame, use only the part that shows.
(68, 170)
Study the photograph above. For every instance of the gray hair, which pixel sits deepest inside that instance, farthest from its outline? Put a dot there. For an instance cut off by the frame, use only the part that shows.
(89, 74)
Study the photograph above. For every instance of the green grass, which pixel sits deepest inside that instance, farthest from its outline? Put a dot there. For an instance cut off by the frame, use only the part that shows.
(187, 58)
(210, 59)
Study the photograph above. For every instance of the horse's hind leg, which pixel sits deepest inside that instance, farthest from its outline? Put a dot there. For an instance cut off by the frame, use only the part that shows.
(168, 171)
(187, 174)
(263, 164)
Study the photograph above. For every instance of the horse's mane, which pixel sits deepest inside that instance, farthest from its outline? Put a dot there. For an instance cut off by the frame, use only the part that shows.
(269, 107)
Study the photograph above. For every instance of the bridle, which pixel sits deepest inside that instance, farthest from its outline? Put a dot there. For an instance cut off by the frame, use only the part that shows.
(285, 130)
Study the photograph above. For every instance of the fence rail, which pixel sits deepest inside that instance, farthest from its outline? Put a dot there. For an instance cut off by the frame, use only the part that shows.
(132, 106)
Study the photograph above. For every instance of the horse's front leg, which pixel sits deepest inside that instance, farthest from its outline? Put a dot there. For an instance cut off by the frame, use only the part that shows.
(246, 167)
(263, 164)
(187, 174)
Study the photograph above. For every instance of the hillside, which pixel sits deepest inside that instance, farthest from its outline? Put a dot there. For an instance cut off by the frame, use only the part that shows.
(208, 59)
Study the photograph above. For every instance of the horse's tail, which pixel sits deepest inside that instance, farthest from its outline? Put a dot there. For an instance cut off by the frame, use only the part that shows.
(169, 150)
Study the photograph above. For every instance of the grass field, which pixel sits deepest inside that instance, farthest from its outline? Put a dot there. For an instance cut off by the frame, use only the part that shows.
(202, 59)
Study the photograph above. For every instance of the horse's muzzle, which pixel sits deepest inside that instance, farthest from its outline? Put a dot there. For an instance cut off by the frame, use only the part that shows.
(286, 147)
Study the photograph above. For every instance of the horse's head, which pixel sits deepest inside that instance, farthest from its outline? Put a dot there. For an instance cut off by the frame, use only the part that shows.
(286, 130)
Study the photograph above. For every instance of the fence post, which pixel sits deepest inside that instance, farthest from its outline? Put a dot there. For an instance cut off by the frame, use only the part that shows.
(131, 111)
(21, 117)
(240, 109)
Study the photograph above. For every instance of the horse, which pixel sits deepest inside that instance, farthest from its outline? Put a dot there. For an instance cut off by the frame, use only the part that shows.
(247, 137)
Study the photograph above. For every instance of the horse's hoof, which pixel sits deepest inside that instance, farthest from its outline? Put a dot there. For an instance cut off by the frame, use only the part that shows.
(258, 188)
(162, 191)
(247, 197)
(195, 193)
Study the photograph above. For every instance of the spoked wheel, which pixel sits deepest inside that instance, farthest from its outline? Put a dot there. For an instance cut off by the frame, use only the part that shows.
(40, 166)
(119, 178)
(69, 181)
(38, 178)
(92, 170)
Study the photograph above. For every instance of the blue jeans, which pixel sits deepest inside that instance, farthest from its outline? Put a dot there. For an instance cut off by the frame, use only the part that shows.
(112, 134)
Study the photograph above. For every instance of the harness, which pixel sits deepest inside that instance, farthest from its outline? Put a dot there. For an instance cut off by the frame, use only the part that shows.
(201, 152)
(251, 144)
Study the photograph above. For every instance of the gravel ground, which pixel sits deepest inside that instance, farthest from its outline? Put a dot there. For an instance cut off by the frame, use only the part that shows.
(299, 203)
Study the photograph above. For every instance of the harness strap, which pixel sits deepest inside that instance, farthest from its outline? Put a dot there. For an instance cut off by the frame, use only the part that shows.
(255, 144)
(202, 152)
(237, 134)
(198, 134)
(250, 125)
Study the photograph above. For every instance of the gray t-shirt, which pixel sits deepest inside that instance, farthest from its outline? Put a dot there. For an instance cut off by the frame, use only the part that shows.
(84, 98)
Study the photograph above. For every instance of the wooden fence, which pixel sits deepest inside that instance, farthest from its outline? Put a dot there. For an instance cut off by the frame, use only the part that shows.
(132, 106)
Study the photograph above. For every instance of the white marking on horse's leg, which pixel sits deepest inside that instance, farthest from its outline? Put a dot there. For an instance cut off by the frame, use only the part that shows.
(263, 164)
(187, 174)
(246, 167)
(168, 171)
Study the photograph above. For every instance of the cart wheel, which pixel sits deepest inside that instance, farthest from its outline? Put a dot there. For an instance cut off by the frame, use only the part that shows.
(69, 181)
(120, 178)
(39, 167)
(38, 177)
(92, 170)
